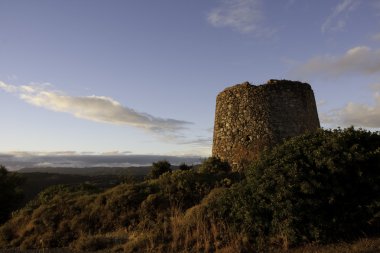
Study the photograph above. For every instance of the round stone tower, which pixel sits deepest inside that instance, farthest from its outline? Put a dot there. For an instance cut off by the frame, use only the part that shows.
(250, 118)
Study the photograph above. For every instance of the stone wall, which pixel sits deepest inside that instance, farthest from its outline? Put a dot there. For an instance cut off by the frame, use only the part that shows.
(250, 118)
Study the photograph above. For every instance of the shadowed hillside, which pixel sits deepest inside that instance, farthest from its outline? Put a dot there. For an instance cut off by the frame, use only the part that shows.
(315, 189)
(35, 182)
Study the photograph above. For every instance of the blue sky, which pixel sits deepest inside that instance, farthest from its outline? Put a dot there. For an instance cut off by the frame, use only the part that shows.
(141, 77)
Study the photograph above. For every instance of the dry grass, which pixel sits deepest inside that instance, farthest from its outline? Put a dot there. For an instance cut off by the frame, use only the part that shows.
(63, 250)
(106, 242)
(367, 245)
(193, 232)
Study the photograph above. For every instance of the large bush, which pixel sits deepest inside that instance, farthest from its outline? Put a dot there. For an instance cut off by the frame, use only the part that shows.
(214, 165)
(321, 186)
(185, 188)
(159, 168)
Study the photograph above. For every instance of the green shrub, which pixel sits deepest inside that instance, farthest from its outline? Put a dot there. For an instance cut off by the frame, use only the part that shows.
(214, 165)
(185, 188)
(184, 166)
(321, 186)
(61, 214)
(159, 168)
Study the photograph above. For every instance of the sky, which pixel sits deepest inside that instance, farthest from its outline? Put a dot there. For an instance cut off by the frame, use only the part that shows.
(123, 77)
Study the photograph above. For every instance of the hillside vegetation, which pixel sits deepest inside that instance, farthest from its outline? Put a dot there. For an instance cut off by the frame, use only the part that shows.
(318, 188)
(35, 182)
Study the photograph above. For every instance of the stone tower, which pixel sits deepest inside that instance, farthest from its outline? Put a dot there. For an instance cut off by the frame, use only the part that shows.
(250, 118)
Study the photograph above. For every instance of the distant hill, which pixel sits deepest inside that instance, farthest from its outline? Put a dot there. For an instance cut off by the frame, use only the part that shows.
(30, 160)
(91, 171)
(35, 182)
(39, 178)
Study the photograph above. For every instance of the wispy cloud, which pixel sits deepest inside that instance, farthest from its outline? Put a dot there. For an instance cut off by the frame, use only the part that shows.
(356, 114)
(40, 153)
(244, 16)
(359, 60)
(94, 108)
(200, 141)
(338, 17)
(116, 152)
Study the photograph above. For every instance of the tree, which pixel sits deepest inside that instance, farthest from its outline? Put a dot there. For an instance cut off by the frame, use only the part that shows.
(10, 192)
(159, 168)
(184, 166)
(214, 165)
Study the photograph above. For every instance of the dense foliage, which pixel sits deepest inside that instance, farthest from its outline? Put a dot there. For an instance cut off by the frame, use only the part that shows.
(214, 165)
(319, 187)
(10, 192)
(73, 215)
(159, 168)
(184, 166)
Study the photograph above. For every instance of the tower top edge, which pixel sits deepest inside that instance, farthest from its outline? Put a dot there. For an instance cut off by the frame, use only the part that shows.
(269, 83)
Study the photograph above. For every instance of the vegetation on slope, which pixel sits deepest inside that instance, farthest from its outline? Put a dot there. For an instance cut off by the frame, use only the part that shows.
(10, 192)
(35, 182)
(316, 188)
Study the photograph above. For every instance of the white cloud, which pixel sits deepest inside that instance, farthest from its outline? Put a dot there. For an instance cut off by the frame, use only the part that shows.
(327, 119)
(356, 114)
(64, 153)
(94, 108)
(42, 153)
(244, 16)
(116, 152)
(337, 19)
(201, 152)
(200, 141)
(362, 115)
(361, 60)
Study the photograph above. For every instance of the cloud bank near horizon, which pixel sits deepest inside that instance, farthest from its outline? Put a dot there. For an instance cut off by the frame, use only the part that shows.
(360, 60)
(357, 60)
(24, 159)
(356, 114)
(94, 108)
